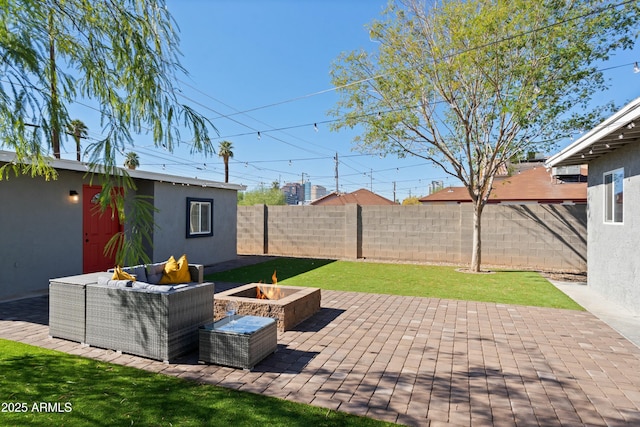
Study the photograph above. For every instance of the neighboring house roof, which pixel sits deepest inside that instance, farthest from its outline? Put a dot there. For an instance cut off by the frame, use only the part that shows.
(73, 165)
(535, 184)
(361, 197)
(620, 129)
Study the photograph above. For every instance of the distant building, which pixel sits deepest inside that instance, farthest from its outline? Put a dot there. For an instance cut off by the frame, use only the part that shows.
(307, 191)
(435, 186)
(362, 197)
(317, 191)
(293, 193)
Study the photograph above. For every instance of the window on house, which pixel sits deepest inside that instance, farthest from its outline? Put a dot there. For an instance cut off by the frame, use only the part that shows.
(613, 196)
(199, 217)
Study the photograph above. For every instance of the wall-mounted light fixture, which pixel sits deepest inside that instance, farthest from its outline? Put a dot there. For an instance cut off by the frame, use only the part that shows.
(74, 196)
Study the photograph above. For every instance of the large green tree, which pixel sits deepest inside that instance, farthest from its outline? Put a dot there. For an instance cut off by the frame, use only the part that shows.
(122, 55)
(469, 84)
(262, 195)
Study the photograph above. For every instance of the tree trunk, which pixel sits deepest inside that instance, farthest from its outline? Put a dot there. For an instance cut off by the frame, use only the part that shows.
(476, 254)
(226, 169)
(55, 124)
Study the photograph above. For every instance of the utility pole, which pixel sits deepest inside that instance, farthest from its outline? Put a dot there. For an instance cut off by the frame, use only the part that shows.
(371, 180)
(394, 191)
(336, 159)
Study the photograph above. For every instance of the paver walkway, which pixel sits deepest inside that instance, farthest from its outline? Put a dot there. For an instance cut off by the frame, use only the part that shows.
(419, 361)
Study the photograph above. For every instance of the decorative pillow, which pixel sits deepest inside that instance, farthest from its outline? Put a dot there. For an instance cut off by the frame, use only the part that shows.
(155, 272)
(176, 272)
(118, 274)
(139, 271)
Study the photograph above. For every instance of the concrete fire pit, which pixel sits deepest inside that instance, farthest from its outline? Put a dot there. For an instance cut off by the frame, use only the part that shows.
(292, 305)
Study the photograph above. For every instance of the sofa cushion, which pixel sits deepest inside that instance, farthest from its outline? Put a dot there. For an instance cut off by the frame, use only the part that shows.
(140, 271)
(160, 288)
(152, 288)
(176, 272)
(155, 272)
(106, 281)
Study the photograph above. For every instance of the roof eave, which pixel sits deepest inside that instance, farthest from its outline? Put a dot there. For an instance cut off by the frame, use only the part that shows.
(582, 151)
(73, 165)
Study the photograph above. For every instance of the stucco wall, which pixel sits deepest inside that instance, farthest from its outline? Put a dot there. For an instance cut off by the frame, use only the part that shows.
(171, 221)
(40, 232)
(41, 229)
(614, 263)
(546, 237)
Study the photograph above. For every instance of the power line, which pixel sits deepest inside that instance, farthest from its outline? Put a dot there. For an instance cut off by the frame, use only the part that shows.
(470, 49)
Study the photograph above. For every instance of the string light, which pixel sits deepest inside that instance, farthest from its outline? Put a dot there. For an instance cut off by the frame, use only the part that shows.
(636, 69)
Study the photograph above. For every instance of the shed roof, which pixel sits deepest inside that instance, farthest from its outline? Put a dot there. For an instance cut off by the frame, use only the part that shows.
(73, 165)
(620, 129)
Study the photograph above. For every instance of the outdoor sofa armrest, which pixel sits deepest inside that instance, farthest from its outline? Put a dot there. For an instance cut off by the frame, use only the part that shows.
(197, 273)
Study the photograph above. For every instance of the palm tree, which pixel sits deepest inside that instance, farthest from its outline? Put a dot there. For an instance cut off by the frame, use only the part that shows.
(225, 152)
(78, 130)
(132, 160)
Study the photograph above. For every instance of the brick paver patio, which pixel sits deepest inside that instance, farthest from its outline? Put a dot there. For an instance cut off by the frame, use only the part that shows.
(419, 361)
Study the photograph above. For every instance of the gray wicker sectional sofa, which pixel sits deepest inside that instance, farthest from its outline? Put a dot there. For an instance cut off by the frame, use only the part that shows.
(155, 321)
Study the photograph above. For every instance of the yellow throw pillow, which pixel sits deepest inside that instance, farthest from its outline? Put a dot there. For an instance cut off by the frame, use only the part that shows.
(118, 274)
(176, 272)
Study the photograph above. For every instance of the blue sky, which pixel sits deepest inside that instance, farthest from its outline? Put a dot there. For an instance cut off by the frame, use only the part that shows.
(256, 54)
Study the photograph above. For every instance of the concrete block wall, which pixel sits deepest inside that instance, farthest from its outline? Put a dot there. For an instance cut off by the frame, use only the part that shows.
(537, 236)
(545, 237)
(251, 229)
(411, 233)
(313, 231)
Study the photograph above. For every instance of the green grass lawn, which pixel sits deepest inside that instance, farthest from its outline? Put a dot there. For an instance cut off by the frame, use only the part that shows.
(95, 393)
(507, 287)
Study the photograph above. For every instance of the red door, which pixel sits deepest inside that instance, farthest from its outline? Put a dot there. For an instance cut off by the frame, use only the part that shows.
(97, 229)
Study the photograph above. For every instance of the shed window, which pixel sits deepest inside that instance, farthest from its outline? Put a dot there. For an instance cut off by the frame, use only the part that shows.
(613, 196)
(199, 217)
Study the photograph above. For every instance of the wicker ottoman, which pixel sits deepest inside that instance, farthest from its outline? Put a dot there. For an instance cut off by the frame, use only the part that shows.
(241, 343)
(67, 306)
